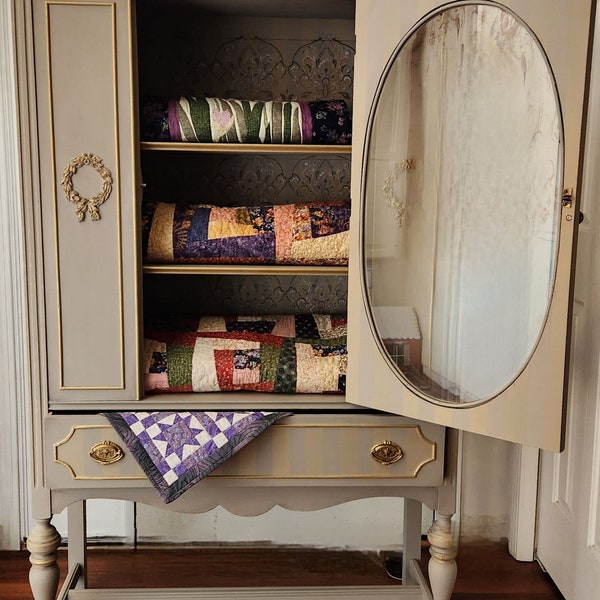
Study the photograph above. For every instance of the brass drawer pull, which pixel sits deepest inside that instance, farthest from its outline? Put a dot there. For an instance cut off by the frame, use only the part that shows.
(106, 453)
(387, 452)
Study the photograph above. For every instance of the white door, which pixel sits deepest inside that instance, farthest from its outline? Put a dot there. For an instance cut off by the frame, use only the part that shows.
(415, 231)
(568, 543)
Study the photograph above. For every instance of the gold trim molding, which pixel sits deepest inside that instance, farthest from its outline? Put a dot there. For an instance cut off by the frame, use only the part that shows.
(81, 429)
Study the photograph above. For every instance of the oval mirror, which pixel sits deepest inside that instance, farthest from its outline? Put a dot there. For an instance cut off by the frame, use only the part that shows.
(461, 202)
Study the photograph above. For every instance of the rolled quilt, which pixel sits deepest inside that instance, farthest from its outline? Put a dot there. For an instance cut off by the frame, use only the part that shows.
(219, 120)
(312, 233)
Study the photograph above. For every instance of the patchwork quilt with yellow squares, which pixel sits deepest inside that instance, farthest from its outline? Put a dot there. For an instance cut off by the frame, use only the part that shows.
(313, 233)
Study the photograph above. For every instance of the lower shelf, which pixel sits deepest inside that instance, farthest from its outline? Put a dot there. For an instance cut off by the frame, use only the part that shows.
(418, 590)
(307, 593)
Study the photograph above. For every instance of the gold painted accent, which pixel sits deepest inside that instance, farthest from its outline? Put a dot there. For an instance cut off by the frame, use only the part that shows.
(349, 477)
(387, 452)
(106, 453)
(72, 471)
(567, 197)
(84, 205)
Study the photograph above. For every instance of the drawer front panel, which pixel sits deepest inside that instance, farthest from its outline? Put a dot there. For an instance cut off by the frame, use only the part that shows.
(332, 450)
(299, 447)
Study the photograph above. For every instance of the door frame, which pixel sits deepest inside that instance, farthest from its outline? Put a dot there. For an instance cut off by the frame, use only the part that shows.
(15, 388)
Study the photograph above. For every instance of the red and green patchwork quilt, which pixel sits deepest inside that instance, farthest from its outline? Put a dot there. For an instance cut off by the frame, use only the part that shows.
(274, 353)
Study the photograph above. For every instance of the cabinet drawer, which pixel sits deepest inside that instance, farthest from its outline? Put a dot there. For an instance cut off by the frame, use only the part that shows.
(335, 447)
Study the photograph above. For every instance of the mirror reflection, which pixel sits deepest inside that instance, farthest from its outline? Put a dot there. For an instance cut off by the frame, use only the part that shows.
(462, 201)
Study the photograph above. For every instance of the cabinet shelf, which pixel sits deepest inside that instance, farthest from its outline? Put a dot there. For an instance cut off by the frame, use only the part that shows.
(247, 148)
(220, 401)
(186, 269)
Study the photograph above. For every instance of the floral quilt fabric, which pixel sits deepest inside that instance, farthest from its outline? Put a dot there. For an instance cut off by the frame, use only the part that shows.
(274, 353)
(223, 120)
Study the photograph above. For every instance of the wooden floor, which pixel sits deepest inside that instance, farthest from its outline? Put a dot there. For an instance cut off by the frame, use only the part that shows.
(485, 571)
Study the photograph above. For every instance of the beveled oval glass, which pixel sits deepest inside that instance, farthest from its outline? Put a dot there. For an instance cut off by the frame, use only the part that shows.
(461, 202)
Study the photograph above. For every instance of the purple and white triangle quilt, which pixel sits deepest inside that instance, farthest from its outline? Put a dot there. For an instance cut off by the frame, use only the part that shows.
(177, 449)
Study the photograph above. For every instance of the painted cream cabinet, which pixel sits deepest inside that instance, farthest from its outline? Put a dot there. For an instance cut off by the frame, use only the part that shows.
(85, 65)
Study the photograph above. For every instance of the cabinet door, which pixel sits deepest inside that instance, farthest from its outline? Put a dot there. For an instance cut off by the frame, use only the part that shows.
(459, 307)
(88, 171)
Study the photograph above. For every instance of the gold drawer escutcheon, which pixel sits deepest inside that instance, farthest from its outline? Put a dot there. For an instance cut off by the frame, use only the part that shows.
(106, 453)
(387, 452)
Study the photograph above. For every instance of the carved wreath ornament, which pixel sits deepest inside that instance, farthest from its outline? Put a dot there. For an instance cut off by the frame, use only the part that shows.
(85, 205)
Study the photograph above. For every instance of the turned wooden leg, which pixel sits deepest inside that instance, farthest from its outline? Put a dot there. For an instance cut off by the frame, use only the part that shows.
(442, 565)
(42, 543)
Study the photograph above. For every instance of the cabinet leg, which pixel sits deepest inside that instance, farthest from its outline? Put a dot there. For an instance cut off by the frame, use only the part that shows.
(42, 543)
(77, 554)
(442, 565)
(413, 514)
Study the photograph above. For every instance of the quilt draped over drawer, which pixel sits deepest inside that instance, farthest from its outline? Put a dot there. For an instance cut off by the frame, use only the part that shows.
(312, 233)
(304, 353)
(177, 449)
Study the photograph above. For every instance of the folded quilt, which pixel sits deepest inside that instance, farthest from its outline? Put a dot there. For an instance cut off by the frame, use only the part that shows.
(191, 119)
(177, 449)
(274, 353)
(311, 233)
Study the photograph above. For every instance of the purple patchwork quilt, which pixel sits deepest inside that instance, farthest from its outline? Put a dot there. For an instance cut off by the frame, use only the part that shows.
(311, 233)
(178, 449)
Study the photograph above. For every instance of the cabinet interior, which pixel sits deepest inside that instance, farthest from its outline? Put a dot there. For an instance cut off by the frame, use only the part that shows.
(262, 51)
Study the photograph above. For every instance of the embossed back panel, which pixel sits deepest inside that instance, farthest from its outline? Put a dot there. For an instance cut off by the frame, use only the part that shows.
(198, 52)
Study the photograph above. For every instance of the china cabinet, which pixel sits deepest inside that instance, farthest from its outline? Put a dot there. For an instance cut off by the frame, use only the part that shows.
(409, 169)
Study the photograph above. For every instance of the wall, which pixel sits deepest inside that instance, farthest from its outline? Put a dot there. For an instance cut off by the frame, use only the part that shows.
(487, 478)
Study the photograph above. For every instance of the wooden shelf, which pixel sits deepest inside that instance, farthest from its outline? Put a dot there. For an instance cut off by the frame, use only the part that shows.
(247, 148)
(318, 403)
(169, 269)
